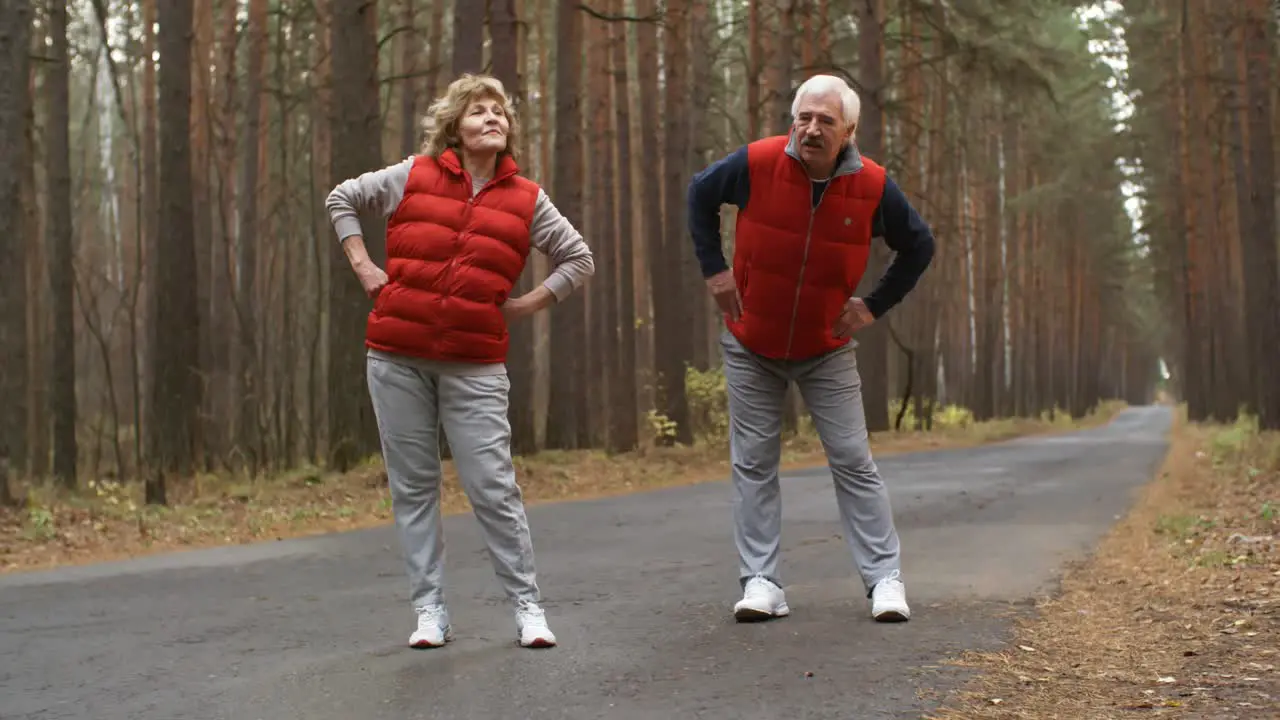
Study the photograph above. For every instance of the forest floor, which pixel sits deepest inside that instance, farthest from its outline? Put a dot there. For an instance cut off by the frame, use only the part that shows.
(1177, 613)
(108, 521)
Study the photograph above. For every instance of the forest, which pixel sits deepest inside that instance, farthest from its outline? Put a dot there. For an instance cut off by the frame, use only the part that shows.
(1100, 178)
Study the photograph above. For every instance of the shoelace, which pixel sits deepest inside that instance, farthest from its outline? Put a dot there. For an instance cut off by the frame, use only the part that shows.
(533, 615)
(757, 586)
(429, 616)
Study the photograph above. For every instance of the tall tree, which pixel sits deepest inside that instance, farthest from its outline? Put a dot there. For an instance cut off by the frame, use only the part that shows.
(566, 416)
(175, 338)
(602, 227)
(15, 29)
(355, 148)
(1262, 271)
(408, 42)
(624, 433)
(673, 338)
(58, 214)
(247, 383)
(873, 342)
(468, 37)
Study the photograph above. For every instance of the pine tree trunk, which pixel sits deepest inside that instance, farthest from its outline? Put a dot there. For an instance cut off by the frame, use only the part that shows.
(672, 318)
(873, 342)
(624, 433)
(175, 338)
(355, 148)
(1261, 272)
(15, 31)
(568, 320)
(58, 212)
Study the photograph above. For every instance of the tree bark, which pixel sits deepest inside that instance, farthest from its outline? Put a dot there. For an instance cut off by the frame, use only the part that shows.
(58, 225)
(1262, 271)
(567, 419)
(873, 347)
(15, 30)
(624, 433)
(672, 320)
(175, 338)
(468, 38)
(355, 148)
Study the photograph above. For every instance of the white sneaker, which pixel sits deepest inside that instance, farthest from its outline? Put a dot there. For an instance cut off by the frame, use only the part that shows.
(761, 600)
(889, 600)
(433, 628)
(531, 627)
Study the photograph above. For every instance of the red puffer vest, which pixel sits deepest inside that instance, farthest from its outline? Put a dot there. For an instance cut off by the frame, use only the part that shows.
(452, 260)
(796, 265)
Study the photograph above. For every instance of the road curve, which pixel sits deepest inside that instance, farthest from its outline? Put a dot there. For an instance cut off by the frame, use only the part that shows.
(638, 589)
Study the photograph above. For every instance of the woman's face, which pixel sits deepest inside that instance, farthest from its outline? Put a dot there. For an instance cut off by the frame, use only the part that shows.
(483, 126)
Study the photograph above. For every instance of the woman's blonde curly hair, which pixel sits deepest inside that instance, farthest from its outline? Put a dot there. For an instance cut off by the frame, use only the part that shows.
(441, 121)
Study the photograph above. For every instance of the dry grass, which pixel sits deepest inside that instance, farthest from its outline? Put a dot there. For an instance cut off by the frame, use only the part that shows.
(109, 522)
(1178, 612)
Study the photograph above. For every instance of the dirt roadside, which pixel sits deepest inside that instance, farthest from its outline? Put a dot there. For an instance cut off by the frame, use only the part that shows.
(1177, 614)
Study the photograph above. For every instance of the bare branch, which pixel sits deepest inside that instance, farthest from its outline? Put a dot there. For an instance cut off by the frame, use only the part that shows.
(657, 17)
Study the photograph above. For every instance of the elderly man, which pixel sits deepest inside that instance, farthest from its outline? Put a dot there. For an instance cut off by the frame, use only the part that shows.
(809, 204)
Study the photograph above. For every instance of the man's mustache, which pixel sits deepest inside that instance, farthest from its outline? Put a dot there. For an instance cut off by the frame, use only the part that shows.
(812, 142)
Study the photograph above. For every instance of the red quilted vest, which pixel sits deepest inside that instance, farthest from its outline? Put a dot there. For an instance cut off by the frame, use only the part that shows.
(796, 267)
(452, 261)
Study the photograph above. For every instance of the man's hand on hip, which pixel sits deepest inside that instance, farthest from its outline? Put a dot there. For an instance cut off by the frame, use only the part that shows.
(725, 290)
(855, 317)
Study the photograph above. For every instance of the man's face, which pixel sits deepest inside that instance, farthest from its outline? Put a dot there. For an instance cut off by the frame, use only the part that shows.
(820, 129)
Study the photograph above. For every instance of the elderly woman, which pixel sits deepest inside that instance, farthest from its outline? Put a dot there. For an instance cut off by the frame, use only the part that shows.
(460, 223)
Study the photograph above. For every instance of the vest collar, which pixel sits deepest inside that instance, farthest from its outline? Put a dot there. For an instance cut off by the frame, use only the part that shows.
(505, 168)
(848, 161)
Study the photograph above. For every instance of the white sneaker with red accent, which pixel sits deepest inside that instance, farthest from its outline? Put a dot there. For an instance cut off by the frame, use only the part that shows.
(531, 627)
(433, 628)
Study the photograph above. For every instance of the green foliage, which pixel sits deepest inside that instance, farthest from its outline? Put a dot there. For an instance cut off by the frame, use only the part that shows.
(1229, 444)
(662, 428)
(708, 403)
(1182, 526)
(40, 523)
(947, 417)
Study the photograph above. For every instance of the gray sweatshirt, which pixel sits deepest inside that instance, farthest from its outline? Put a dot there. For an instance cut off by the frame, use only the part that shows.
(380, 192)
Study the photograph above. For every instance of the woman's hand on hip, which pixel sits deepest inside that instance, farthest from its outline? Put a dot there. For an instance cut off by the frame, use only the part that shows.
(531, 302)
(372, 278)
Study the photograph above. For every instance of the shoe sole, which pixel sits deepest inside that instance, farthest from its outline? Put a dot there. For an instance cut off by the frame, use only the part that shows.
(892, 616)
(747, 614)
(424, 645)
(538, 644)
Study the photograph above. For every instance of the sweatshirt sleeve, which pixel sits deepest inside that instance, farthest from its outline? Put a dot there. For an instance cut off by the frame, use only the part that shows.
(910, 238)
(376, 192)
(552, 234)
(724, 182)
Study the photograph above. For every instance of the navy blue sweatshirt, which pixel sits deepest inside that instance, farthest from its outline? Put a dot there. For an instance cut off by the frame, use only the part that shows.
(727, 181)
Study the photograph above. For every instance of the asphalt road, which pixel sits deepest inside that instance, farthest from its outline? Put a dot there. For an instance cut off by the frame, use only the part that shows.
(638, 589)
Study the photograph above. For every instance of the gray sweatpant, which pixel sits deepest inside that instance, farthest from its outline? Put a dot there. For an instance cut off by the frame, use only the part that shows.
(412, 405)
(832, 391)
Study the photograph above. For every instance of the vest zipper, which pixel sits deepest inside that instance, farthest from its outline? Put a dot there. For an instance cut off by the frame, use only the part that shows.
(804, 261)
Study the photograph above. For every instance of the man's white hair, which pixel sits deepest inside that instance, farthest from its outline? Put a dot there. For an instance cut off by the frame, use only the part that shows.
(850, 105)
